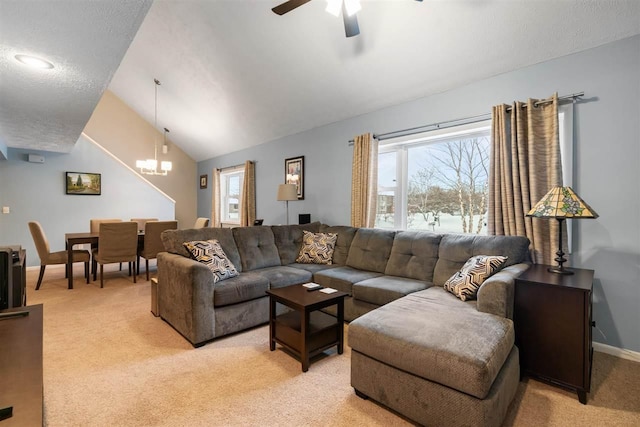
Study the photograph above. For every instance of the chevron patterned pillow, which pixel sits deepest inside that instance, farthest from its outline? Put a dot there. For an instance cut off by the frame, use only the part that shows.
(317, 248)
(465, 283)
(210, 253)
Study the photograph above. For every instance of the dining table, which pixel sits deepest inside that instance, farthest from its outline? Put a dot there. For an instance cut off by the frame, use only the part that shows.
(72, 239)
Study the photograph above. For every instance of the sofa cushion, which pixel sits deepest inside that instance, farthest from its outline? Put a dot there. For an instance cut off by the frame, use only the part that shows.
(370, 249)
(283, 275)
(384, 289)
(256, 246)
(456, 249)
(465, 283)
(210, 253)
(345, 237)
(173, 241)
(414, 255)
(313, 268)
(342, 278)
(245, 287)
(288, 239)
(317, 248)
(434, 335)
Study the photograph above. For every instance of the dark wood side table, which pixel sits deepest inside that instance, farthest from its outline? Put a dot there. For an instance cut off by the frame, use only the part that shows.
(306, 331)
(552, 318)
(21, 367)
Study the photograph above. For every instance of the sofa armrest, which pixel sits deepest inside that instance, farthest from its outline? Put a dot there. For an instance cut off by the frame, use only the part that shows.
(495, 296)
(185, 296)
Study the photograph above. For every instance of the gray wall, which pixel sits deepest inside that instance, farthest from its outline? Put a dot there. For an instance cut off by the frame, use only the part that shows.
(36, 192)
(607, 158)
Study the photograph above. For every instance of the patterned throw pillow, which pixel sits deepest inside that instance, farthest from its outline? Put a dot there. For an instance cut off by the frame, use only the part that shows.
(210, 253)
(465, 283)
(317, 248)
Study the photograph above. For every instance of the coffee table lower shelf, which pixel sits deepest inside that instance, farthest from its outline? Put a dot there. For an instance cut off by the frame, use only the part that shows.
(323, 333)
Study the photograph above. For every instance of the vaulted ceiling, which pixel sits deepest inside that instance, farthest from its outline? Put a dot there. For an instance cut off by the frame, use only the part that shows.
(234, 74)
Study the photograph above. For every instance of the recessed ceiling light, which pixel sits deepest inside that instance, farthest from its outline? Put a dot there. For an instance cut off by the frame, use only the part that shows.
(34, 62)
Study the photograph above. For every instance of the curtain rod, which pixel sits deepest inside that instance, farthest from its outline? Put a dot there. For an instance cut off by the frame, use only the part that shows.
(462, 121)
(230, 167)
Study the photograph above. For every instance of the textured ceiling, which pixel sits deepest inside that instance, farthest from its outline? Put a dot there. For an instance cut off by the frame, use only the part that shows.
(234, 74)
(85, 40)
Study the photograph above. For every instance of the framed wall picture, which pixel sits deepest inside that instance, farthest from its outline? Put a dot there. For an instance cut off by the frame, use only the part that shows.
(294, 174)
(83, 183)
(203, 181)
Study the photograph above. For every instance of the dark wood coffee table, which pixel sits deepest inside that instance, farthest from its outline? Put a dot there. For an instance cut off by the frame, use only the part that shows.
(306, 331)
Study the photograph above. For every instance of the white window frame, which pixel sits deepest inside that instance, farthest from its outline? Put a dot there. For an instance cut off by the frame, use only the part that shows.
(224, 196)
(401, 146)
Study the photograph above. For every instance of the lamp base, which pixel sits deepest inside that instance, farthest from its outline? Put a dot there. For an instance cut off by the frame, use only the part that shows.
(559, 270)
(560, 259)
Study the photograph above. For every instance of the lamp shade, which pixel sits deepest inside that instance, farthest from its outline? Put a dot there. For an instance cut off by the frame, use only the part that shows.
(287, 192)
(562, 202)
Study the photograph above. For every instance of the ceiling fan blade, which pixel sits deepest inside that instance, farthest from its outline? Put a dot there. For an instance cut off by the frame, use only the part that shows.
(351, 27)
(288, 6)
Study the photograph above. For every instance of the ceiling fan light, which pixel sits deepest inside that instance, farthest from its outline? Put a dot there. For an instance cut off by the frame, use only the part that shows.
(334, 6)
(352, 7)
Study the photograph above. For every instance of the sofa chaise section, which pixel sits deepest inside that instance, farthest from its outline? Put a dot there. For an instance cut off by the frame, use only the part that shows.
(439, 360)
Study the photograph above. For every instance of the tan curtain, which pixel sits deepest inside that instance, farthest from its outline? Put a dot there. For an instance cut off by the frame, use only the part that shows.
(215, 198)
(525, 165)
(364, 181)
(248, 195)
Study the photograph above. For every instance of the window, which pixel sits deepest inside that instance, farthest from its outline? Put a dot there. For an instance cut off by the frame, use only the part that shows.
(438, 180)
(230, 188)
(435, 180)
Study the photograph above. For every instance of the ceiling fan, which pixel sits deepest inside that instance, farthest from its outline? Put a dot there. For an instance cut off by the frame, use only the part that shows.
(349, 9)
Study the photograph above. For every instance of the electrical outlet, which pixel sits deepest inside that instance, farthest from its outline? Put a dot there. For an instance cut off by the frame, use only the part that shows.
(6, 210)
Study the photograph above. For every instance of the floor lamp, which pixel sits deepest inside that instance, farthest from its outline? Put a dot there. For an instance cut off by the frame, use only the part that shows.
(287, 192)
(561, 203)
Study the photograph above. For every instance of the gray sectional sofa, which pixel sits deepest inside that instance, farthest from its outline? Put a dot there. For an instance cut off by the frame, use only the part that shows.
(416, 348)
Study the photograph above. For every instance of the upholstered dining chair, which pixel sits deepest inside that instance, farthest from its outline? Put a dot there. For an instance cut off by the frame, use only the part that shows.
(117, 242)
(153, 242)
(94, 224)
(142, 221)
(50, 258)
(201, 222)
(94, 227)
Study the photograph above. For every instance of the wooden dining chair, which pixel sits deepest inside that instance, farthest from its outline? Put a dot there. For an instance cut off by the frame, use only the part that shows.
(153, 242)
(50, 258)
(201, 223)
(117, 242)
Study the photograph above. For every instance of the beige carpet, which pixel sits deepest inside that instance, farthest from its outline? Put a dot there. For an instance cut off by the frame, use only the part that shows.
(109, 362)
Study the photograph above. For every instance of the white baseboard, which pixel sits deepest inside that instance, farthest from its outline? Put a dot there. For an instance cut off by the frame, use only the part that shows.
(618, 352)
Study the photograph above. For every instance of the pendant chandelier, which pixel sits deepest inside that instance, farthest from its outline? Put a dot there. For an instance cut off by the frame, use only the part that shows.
(150, 166)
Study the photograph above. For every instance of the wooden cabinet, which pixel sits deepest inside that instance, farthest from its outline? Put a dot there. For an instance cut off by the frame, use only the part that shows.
(552, 317)
(21, 367)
